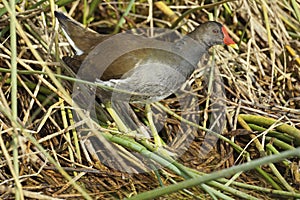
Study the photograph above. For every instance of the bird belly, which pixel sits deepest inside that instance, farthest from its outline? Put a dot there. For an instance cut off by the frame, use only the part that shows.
(149, 82)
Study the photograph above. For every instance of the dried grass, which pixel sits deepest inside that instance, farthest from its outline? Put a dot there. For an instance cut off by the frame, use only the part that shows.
(261, 79)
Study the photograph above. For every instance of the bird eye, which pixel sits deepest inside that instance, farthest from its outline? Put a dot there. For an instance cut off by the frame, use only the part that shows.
(215, 31)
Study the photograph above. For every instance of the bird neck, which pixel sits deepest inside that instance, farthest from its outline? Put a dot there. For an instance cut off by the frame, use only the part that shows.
(191, 49)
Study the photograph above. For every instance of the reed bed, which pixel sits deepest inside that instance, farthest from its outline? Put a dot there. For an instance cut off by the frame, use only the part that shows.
(43, 155)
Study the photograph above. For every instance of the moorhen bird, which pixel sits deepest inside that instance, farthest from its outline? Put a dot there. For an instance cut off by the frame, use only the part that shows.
(148, 69)
(139, 69)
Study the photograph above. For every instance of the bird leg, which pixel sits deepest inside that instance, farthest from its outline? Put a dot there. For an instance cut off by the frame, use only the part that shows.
(156, 137)
(122, 127)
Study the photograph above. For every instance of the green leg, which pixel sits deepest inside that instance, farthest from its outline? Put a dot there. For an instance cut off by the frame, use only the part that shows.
(122, 127)
(157, 139)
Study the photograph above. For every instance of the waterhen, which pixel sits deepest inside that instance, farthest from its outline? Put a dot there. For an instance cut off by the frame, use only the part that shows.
(148, 69)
